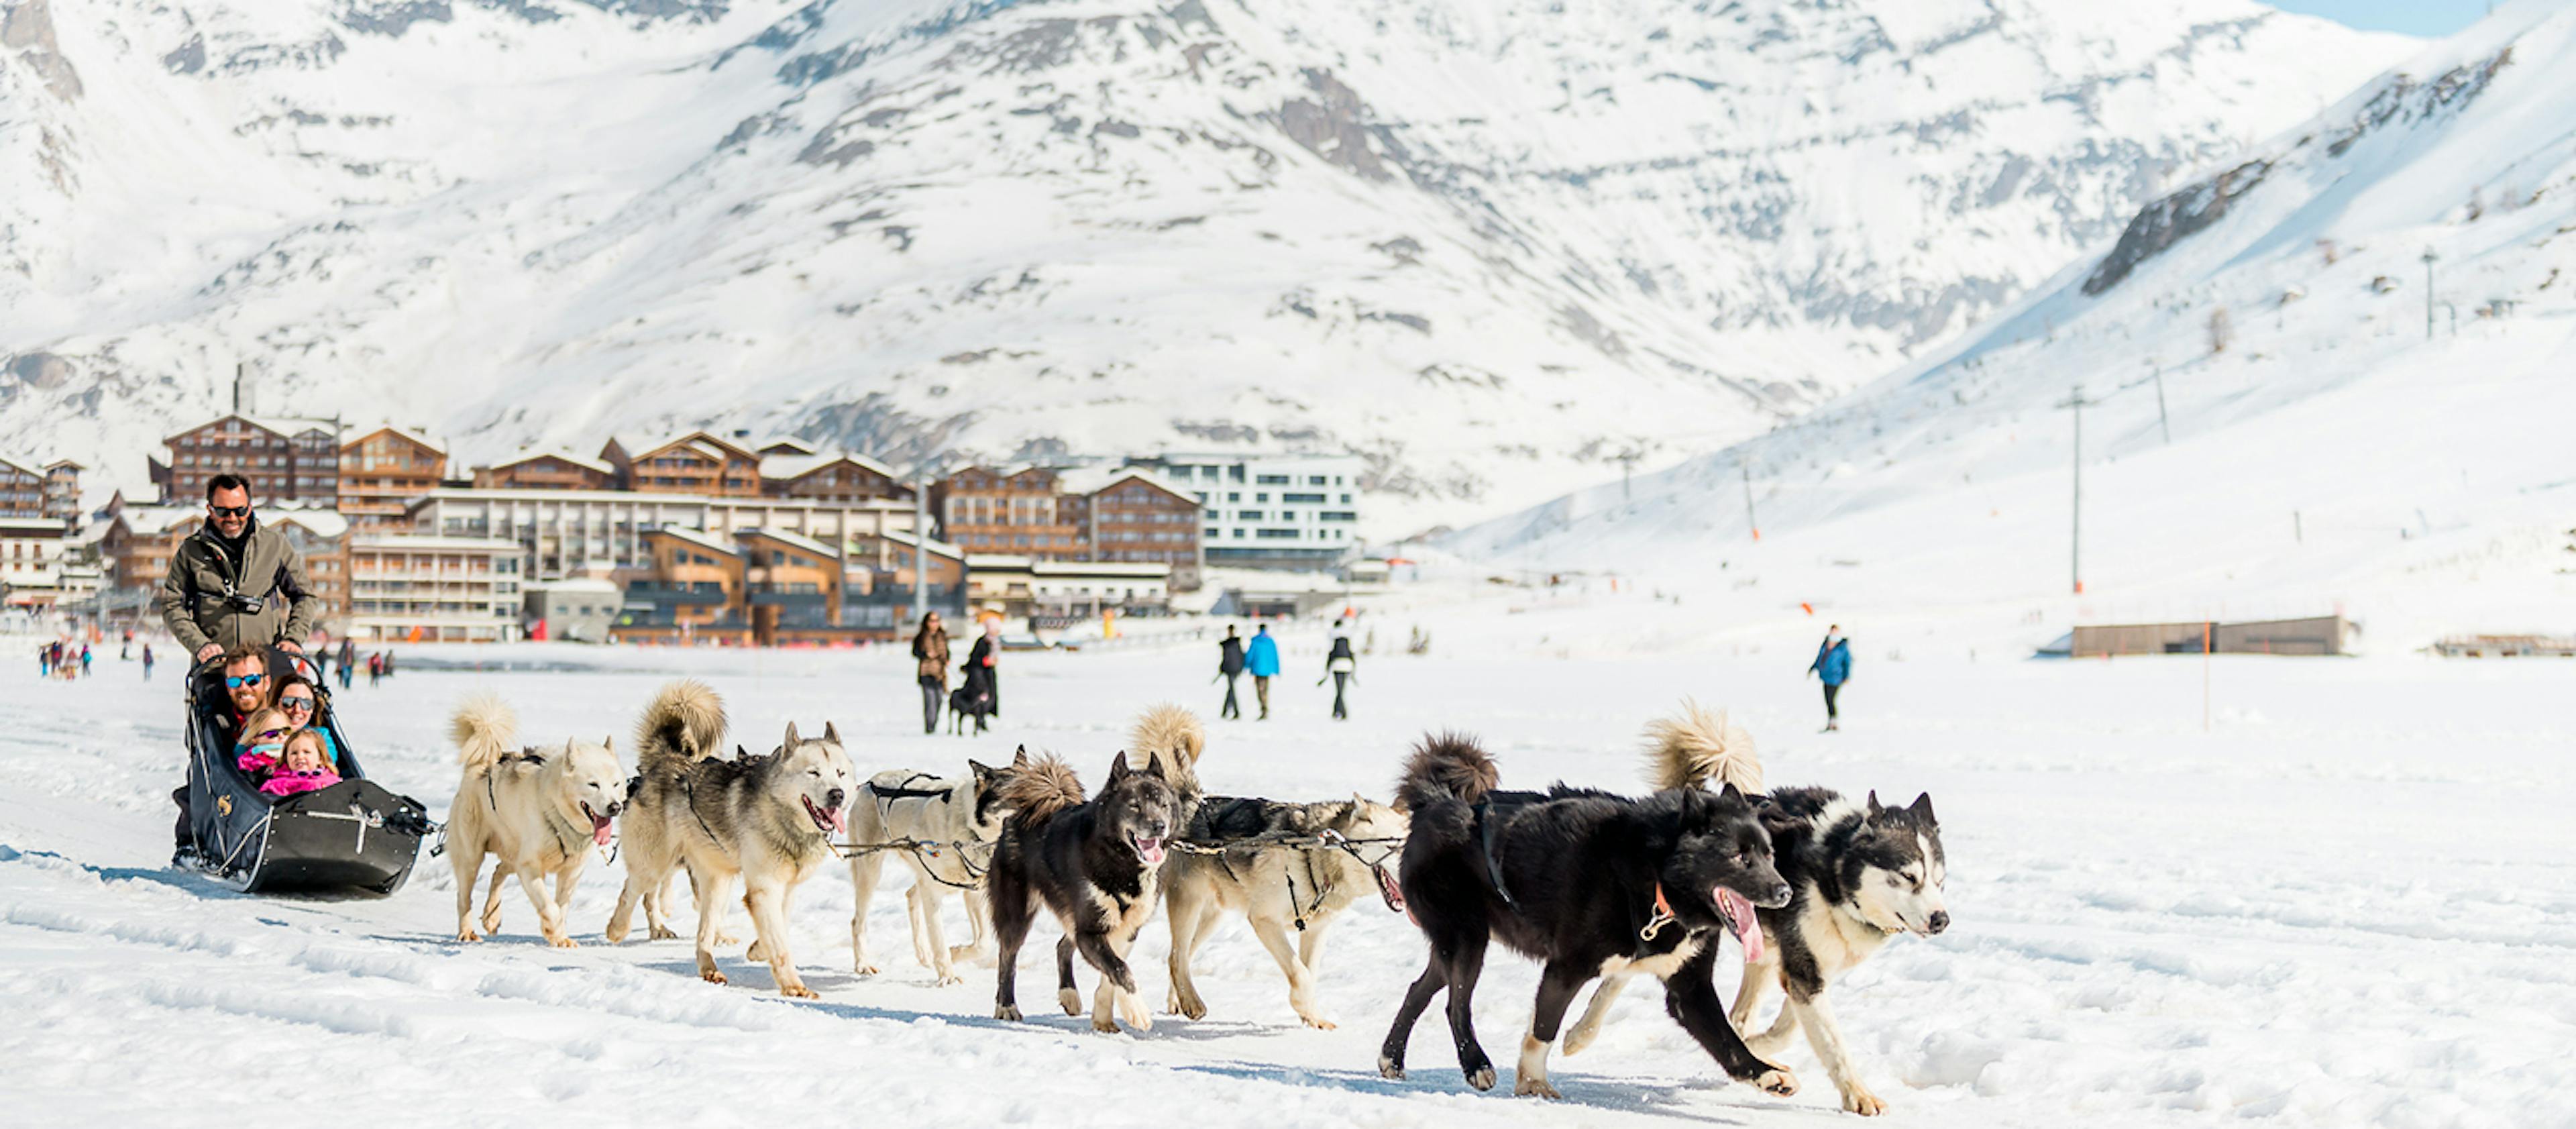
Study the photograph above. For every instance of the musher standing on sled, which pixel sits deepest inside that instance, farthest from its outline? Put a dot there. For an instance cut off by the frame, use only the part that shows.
(233, 585)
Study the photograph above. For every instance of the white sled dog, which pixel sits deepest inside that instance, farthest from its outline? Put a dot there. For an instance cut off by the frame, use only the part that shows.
(538, 811)
(767, 820)
(1277, 886)
(1859, 874)
(957, 820)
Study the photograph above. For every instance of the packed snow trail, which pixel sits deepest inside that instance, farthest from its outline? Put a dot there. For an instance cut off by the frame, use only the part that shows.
(2349, 905)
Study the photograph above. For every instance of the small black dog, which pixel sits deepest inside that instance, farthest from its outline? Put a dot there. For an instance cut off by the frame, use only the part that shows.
(1095, 864)
(964, 702)
(1586, 882)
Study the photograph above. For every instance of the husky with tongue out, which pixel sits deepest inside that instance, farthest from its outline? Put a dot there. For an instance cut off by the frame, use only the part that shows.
(539, 812)
(1589, 883)
(1095, 864)
(769, 821)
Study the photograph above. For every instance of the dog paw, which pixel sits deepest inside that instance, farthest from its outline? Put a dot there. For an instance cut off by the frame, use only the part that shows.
(1390, 1069)
(864, 968)
(1105, 1026)
(728, 940)
(1136, 1015)
(1577, 1039)
(1069, 1000)
(468, 936)
(757, 953)
(1858, 1099)
(798, 992)
(1007, 1014)
(1316, 1021)
(562, 942)
(970, 954)
(1535, 1087)
(949, 980)
(1775, 1082)
(711, 976)
(1189, 1007)
(1482, 1079)
(662, 933)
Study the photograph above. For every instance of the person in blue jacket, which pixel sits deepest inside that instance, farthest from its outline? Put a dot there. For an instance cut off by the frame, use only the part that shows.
(1833, 665)
(1262, 659)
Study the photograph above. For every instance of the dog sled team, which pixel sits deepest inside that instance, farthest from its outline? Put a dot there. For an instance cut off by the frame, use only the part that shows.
(1801, 883)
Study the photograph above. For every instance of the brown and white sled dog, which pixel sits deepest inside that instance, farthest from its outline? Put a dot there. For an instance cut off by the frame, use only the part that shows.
(1278, 887)
(1094, 864)
(538, 812)
(765, 820)
(961, 818)
(1859, 875)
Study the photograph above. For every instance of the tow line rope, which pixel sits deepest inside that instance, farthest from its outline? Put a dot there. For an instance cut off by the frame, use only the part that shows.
(1306, 845)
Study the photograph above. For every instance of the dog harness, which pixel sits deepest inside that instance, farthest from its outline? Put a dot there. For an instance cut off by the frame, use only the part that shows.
(1663, 916)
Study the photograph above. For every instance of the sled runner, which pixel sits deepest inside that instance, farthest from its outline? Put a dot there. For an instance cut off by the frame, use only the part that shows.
(351, 836)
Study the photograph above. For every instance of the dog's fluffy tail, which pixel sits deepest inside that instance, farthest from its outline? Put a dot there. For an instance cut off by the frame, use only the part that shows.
(1035, 793)
(1445, 766)
(1172, 735)
(1696, 747)
(484, 728)
(685, 723)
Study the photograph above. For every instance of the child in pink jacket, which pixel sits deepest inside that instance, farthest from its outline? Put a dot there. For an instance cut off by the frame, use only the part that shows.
(302, 767)
(263, 737)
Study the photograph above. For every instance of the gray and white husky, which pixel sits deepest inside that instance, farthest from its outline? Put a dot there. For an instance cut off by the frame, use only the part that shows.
(1276, 885)
(958, 819)
(766, 820)
(1859, 875)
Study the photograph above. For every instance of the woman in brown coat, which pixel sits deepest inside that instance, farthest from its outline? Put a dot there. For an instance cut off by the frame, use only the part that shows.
(930, 646)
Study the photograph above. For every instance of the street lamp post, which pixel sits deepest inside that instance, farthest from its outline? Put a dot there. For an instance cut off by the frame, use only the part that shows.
(2429, 258)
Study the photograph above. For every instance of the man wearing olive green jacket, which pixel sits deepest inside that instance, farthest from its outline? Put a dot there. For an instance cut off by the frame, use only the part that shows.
(233, 584)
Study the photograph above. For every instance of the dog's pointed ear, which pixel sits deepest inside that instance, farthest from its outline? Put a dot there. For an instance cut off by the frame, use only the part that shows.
(831, 733)
(1726, 793)
(982, 771)
(608, 743)
(740, 753)
(1922, 808)
(1154, 768)
(1874, 809)
(791, 735)
(1118, 768)
(1020, 759)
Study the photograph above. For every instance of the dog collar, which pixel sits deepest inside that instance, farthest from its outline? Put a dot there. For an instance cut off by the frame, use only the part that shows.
(1663, 915)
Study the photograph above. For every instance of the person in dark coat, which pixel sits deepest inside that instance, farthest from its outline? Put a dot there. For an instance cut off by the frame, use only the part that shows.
(930, 646)
(1229, 666)
(983, 674)
(1342, 667)
(1833, 665)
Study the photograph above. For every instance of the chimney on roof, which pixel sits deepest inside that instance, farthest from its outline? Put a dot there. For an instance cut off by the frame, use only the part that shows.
(237, 386)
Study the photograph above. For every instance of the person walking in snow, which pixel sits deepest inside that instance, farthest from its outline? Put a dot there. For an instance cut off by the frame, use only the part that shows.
(930, 648)
(147, 662)
(1342, 667)
(1262, 659)
(1229, 666)
(984, 674)
(1833, 666)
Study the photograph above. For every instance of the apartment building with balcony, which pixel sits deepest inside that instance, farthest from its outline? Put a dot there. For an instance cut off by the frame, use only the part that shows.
(416, 588)
(1286, 512)
(382, 471)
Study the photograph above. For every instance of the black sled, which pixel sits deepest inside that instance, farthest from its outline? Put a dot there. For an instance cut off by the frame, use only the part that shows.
(352, 837)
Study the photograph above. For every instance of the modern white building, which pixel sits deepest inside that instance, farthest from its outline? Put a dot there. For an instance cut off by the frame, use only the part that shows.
(566, 533)
(1026, 586)
(1278, 511)
(32, 559)
(433, 589)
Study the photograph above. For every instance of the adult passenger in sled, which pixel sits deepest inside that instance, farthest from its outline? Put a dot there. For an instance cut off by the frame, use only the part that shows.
(235, 588)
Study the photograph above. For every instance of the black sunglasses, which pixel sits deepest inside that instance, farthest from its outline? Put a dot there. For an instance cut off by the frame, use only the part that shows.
(264, 734)
(230, 511)
(295, 703)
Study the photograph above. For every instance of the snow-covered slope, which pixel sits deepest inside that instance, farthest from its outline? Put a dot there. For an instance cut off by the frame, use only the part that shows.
(1493, 245)
(2272, 317)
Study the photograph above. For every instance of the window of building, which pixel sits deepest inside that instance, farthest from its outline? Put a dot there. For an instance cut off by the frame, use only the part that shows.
(1346, 499)
(1337, 515)
(1277, 534)
(1210, 534)
(1274, 479)
(1247, 515)
(1314, 480)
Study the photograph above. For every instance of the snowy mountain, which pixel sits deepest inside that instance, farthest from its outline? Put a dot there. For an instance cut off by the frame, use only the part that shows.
(1494, 246)
(2275, 422)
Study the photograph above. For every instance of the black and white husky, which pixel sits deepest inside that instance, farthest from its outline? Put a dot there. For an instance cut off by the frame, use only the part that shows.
(1859, 874)
(958, 821)
(1590, 883)
(1095, 864)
